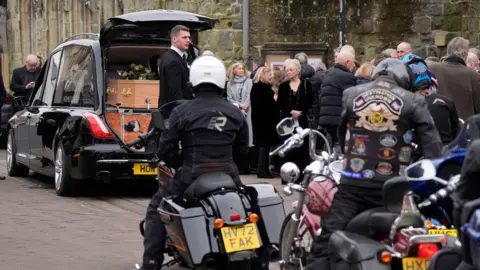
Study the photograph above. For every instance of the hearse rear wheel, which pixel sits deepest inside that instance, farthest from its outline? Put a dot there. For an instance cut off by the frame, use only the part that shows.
(65, 185)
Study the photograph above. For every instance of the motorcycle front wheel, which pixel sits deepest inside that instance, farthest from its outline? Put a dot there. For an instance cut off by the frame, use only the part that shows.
(294, 256)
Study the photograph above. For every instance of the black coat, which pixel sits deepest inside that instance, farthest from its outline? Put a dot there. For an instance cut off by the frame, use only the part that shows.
(362, 80)
(302, 101)
(444, 114)
(3, 94)
(316, 82)
(265, 115)
(174, 75)
(20, 78)
(334, 83)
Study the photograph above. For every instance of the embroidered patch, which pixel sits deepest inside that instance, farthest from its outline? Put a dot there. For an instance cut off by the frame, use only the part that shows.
(359, 144)
(351, 174)
(405, 154)
(384, 168)
(388, 140)
(356, 164)
(377, 110)
(368, 174)
(408, 136)
(347, 139)
(386, 153)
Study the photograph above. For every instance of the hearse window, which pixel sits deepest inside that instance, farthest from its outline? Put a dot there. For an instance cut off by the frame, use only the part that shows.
(50, 81)
(43, 96)
(75, 87)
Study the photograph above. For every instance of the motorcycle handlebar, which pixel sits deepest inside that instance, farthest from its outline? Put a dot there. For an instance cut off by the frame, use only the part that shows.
(442, 193)
(292, 142)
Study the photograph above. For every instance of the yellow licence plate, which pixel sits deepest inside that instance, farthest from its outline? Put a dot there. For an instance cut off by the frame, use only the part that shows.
(415, 263)
(451, 232)
(238, 238)
(143, 169)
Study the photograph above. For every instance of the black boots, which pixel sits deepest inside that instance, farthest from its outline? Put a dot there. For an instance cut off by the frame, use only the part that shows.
(263, 170)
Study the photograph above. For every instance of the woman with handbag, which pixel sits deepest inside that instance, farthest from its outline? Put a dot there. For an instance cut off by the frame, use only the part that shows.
(294, 100)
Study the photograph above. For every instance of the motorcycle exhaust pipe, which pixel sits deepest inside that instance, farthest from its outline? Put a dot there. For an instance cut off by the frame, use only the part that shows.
(103, 174)
(209, 263)
(274, 254)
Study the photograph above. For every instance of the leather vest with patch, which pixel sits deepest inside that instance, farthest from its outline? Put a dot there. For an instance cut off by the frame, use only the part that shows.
(378, 137)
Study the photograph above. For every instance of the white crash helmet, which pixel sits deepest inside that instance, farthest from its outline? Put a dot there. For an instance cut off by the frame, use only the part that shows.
(208, 69)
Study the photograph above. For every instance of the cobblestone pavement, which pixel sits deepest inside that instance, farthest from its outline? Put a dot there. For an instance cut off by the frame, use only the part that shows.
(41, 231)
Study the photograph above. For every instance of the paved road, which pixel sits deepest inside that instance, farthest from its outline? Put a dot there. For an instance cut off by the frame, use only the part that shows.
(42, 231)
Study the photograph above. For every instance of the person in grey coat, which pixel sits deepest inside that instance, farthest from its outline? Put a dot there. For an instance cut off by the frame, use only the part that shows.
(238, 93)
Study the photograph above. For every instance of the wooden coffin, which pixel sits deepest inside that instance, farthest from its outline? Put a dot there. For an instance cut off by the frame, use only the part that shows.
(128, 125)
(133, 93)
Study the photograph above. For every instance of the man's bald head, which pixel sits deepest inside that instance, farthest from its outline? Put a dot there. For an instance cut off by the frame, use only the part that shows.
(403, 48)
(346, 58)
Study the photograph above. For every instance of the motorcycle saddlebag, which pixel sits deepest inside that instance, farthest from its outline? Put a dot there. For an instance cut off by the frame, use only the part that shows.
(351, 251)
(270, 207)
(188, 230)
(470, 232)
(472, 238)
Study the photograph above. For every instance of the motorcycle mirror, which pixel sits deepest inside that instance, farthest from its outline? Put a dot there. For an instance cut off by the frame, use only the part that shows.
(157, 120)
(422, 170)
(289, 172)
(286, 126)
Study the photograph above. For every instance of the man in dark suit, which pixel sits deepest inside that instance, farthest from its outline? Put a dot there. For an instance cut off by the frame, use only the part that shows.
(23, 78)
(174, 69)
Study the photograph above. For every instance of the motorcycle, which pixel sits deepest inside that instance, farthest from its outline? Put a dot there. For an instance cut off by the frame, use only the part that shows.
(296, 235)
(215, 224)
(395, 237)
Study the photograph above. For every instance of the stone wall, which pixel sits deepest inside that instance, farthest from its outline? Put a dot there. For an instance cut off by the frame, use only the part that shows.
(37, 26)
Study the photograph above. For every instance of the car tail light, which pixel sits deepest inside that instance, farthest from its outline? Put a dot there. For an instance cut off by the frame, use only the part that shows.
(426, 250)
(235, 217)
(97, 126)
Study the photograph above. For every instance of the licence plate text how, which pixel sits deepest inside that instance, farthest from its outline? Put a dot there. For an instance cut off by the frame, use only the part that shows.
(143, 169)
(238, 238)
(415, 263)
(452, 232)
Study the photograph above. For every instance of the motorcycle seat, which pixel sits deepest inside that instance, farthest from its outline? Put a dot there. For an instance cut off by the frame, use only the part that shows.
(205, 184)
(374, 223)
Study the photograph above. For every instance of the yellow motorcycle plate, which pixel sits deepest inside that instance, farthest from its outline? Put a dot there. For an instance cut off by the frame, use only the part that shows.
(451, 232)
(238, 238)
(415, 263)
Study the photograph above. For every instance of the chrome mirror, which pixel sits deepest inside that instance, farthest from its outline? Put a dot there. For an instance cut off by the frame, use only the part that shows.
(289, 172)
(422, 170)
(286, 126)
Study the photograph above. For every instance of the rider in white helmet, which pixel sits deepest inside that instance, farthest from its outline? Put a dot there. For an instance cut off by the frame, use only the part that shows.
(211, 128)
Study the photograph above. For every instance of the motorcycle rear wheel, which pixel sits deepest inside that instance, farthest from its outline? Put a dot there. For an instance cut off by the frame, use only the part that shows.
(293, 255)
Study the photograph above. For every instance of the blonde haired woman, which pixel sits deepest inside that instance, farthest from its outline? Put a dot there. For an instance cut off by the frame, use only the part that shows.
(265, 116)
(238, 93)
(364, 73)
(295, 100)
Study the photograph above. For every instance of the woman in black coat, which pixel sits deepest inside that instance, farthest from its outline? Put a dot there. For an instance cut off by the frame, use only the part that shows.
(294, 100)
(265, 117)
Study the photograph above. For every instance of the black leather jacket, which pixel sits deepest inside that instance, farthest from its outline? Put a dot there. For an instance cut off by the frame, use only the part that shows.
(210, 129)
(379, 121)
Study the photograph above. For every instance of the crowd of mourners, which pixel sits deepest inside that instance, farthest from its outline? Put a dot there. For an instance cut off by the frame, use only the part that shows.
(313, 95)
